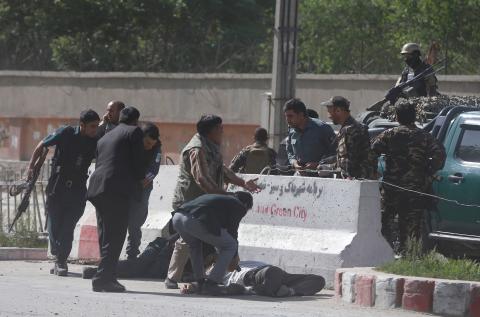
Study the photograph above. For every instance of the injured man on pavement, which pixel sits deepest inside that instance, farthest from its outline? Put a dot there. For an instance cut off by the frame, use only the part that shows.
(258, 278)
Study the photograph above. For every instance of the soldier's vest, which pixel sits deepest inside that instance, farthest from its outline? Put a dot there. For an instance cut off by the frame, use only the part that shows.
(420, 86)
(257, 158)
(187, 189)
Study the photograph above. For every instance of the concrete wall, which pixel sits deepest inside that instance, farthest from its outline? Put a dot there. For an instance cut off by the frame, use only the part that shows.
(183, 97)
(174, 101)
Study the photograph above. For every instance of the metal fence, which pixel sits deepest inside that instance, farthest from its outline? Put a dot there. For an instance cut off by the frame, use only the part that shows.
(11, 174)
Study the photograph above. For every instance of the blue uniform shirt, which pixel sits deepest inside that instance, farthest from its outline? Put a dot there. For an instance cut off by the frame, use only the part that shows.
(317, 141)
(73, 155)
(154, 158)
(58, 135)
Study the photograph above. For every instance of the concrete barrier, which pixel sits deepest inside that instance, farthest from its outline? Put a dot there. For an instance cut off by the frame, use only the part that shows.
(303, 225)
(315, 225)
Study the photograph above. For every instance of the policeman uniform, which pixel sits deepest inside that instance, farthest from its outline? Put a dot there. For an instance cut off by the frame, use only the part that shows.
(66, 189)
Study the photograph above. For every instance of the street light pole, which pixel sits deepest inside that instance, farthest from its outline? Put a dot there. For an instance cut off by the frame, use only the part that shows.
(284, 67)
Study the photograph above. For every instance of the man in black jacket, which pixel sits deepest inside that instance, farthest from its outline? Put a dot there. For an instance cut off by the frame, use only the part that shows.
(213, 219)
(119, 167)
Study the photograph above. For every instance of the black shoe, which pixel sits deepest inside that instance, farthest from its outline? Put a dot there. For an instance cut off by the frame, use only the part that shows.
(60, 268)
(209, 287)
(116, 282)
(88, 272)
(171, 284)
(110, 287)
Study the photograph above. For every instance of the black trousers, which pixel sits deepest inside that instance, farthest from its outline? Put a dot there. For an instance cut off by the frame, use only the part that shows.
(112, 223)
(268, 280)
(64, 211)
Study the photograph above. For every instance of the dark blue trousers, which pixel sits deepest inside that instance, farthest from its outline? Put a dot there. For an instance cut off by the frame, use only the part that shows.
(64, 211)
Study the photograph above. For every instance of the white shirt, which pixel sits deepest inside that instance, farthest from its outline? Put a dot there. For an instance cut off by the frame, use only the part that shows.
(236, 277)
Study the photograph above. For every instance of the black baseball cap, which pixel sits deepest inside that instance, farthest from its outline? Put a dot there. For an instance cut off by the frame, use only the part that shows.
(337, 101)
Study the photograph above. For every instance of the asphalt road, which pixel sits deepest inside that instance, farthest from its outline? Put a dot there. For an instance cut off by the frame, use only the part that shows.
(27, 289)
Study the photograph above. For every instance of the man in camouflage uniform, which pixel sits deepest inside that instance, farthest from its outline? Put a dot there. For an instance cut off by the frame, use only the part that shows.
(412, 156)
(253, 158)
(420, 88)
(354, 157)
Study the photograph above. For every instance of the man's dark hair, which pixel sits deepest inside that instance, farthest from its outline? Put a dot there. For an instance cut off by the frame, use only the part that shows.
(261, 135)
(296, 105)
(207, 123)
(129, 115)
(89, 115)
(405, 112)
(151, 130)
(246, 198)
(312, 113)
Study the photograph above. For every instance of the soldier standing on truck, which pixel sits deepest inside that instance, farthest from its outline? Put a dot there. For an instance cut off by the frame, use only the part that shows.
(426, 86)
(412, 156)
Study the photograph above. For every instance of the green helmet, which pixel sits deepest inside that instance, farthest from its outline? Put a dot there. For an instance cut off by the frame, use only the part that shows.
(409, 48)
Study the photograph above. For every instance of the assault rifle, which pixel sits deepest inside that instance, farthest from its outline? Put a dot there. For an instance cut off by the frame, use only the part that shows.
(27, 187)
(394, 93)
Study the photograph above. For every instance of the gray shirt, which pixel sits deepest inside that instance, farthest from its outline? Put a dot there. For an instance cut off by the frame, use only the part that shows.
(236, 277)
(315, 142)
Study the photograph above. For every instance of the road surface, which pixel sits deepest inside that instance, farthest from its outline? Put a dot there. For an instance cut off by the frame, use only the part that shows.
(27, 289)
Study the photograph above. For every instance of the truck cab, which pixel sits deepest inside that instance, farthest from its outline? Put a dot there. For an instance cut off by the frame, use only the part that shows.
(459, 180)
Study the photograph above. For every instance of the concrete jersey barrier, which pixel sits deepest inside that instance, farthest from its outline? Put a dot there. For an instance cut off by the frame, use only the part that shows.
(314, 225)
(301, 224)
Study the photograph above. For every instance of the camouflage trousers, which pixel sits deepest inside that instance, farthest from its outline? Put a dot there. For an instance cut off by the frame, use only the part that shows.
(410, 210)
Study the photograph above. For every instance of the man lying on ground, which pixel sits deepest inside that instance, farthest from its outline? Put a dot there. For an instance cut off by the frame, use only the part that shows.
(258, 278)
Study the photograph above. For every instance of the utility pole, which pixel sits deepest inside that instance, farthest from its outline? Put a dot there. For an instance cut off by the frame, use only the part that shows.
(284, 67)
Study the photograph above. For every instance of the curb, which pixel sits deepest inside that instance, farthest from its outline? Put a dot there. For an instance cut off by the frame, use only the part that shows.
(369, 288)
(22, 254)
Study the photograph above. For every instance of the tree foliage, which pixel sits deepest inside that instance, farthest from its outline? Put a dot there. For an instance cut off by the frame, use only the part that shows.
(335, 36)
(365, 36)
(132, 35)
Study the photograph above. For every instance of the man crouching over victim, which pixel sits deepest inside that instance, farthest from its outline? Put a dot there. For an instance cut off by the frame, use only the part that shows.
(213, 219)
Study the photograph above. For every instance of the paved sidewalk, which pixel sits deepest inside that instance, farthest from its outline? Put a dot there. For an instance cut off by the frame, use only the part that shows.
(27, 289)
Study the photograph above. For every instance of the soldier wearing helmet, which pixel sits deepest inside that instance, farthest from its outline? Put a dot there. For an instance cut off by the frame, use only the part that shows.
(426, 86)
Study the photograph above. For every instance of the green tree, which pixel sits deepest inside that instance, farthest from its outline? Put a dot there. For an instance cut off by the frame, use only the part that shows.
(366, 36)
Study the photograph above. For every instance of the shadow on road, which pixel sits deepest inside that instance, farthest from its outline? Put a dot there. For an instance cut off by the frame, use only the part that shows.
(242, 297)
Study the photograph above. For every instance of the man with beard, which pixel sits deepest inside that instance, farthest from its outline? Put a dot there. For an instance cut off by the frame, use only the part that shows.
(309, 140)
(201, 172)
(354, 156)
